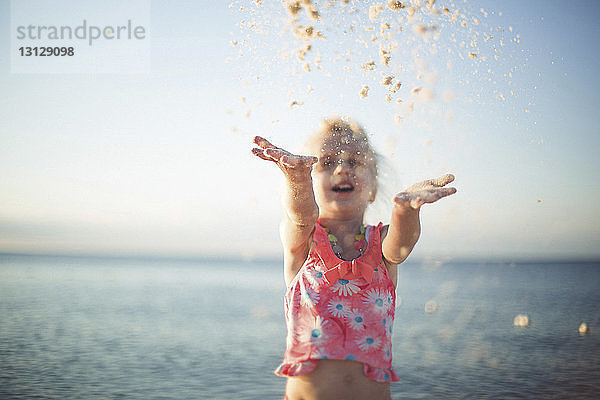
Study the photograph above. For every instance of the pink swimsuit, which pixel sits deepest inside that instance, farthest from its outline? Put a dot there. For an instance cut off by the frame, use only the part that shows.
(341, 310)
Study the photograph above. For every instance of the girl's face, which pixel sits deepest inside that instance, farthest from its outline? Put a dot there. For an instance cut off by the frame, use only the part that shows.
(344, 178)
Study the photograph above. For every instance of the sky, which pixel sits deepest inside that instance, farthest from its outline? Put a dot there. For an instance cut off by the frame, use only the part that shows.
(153, 157)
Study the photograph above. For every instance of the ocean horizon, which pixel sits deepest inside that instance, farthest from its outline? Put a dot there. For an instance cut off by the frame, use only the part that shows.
(272, 259)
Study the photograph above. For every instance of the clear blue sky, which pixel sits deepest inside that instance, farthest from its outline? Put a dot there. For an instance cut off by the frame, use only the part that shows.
(159, 163)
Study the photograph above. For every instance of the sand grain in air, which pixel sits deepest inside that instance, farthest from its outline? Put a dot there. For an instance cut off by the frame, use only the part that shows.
(363, 92)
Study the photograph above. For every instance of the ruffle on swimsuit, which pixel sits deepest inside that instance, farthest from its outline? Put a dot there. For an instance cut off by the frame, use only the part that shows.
(340, 309)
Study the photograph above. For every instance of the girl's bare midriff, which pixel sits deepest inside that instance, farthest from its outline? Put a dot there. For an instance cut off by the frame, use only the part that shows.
(336, 379)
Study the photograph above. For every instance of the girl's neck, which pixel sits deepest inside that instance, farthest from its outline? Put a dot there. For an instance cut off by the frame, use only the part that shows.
(344, 236)
(342, 227)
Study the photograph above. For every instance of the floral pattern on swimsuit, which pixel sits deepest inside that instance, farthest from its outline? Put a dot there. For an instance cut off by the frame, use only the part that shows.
(349, 316)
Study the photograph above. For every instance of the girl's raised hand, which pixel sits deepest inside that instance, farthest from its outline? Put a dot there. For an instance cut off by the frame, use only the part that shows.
(284, 159)
(428, 191)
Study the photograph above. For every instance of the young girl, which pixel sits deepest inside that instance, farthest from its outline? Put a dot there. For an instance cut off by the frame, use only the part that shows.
(340, 274)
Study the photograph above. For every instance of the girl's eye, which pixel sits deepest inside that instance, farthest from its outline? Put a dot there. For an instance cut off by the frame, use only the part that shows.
(327, 162)
(352, 162)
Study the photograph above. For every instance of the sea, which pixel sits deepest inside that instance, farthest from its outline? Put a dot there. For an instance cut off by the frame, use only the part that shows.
(126, 328)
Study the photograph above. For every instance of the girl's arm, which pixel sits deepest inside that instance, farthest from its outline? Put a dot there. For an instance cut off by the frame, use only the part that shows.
(405, 226)
(301, 211)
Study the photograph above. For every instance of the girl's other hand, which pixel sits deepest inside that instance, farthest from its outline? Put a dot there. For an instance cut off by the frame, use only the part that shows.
(428, 191)
(283, 158)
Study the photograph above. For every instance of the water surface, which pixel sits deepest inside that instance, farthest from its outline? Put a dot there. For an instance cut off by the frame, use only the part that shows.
(73, 328)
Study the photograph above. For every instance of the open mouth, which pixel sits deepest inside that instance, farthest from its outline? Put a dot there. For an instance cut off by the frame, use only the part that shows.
(343, 187)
